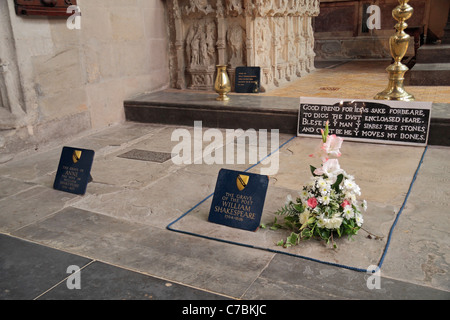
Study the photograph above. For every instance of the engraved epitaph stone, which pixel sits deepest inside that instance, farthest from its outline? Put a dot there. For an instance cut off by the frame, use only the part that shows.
(389, 122)
(238, 200)
(248, 79)
(74, 170)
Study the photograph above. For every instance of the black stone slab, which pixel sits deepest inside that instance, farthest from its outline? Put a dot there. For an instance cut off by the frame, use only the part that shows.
(367, 120)
(145, 155)
(100, 281)
(27, 270)
(244, 111)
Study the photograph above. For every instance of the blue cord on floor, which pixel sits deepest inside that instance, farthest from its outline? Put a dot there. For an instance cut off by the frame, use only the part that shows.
(388, 242)
(169, 227)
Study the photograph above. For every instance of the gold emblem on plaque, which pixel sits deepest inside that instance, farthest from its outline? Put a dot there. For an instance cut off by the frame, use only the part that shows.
(242, 181)
(76, 156)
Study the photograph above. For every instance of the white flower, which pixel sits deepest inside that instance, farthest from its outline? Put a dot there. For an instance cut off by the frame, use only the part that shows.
(322, 183)
(348, 212)
(364, 205)
(324, 199)
(330, 168)
(288, 200)
(304, 194)
(349, 184)
(332, 146)
(325, 190)
(333, 223)
(359, 220)
(304, 217)
(321, 221)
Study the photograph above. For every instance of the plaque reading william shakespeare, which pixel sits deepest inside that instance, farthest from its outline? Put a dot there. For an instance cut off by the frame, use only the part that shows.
(247, 80)
(74, 170)
(238, 200)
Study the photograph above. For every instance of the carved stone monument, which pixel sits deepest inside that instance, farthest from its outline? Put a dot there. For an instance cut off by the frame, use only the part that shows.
(275, 35)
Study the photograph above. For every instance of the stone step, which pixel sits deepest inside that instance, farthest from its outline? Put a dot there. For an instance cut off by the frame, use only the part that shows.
(439, 53)
(429, 74)
(243, 112)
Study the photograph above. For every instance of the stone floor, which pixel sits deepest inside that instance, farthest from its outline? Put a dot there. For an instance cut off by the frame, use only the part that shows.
(117, 233)
(120, 226)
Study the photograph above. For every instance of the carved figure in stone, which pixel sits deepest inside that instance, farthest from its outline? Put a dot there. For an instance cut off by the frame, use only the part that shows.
(280, 39)
(200, 44)
(234, 7)
(210, 43)
(263, 42)
(199, 6)
(204, 59)
(276, 35)
(193, 45)
(236, 41)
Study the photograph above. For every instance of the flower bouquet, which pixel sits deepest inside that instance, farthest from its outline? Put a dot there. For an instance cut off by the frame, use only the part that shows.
(327, 205)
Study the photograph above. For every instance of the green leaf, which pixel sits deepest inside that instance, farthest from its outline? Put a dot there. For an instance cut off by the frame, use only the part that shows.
(326, 132)
(339, 179)
(298, 207)
(280, 243)
(292, 239)
(312, 170)
(263, 226)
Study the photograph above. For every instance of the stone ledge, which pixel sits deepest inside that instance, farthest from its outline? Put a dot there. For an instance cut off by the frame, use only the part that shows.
(243, 112)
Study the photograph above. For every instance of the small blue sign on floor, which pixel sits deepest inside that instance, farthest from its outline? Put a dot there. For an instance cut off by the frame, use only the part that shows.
(74, 170)
(238, 200)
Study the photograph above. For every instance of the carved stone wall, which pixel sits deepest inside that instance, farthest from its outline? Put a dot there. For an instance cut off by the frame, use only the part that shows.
(276, 35)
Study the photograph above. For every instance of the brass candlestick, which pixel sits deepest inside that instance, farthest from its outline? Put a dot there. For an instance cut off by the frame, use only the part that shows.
(222, 84)
(399, 45)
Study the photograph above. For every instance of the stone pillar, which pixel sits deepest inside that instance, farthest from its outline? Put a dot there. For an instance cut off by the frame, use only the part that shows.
(275, 35)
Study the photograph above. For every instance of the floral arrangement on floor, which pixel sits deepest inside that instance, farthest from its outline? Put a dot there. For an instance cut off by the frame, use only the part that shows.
(327, 206)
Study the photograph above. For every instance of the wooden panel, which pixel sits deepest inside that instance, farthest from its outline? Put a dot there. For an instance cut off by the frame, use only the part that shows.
(53, 8)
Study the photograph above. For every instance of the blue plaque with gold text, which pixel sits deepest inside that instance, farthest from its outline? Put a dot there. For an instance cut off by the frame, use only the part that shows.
(74, 170)
(238, 200)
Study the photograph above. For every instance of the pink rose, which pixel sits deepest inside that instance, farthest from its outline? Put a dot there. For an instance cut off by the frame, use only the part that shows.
(312, 202)
(345, 203)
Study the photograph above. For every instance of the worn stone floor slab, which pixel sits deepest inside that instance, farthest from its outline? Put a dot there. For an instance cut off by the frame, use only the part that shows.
(100, 281)
(224, 269)
(27, 270)
(31, 271)
(31, 205)
(288, 278)
(384, 174)
(123, 223)
(420, 250)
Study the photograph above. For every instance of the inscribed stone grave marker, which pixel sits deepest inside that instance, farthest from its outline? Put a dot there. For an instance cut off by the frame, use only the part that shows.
(74, 170)
(248, 79)
(238, 199)
(390, 122)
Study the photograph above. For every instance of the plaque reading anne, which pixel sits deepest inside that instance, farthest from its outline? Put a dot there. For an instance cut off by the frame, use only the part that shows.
(74, 170)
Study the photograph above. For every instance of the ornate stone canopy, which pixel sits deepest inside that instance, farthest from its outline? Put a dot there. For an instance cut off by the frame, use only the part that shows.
(275, 35)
